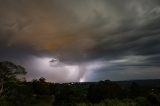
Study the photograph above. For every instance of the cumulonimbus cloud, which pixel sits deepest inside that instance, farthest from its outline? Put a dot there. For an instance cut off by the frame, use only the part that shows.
(80, 32)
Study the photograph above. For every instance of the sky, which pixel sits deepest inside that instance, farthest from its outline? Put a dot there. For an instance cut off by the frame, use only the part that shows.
(82, 40)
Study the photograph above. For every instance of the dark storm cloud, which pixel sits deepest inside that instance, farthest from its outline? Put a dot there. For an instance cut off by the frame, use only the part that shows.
(80, 32)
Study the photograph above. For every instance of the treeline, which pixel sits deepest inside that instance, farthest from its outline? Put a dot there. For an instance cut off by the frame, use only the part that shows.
(38, 92)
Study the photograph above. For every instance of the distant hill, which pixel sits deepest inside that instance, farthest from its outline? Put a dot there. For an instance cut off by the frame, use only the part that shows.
(146, 82)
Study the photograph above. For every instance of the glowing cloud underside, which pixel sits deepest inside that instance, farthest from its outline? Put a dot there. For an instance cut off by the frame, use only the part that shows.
(57, 71)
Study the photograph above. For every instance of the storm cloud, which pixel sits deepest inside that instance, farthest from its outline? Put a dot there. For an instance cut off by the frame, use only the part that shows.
(93, 39)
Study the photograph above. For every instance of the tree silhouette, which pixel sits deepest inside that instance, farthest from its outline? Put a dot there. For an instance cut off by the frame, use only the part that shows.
(8, 71)
(42, 80)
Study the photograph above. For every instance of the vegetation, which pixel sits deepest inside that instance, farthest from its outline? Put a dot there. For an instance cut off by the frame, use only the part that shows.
(17, 92)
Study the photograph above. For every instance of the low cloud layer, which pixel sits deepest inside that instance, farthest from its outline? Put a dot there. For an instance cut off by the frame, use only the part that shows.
(118, 39)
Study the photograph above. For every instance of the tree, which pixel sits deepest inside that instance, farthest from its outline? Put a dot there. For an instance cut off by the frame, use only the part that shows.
(104, 90)
(40, 86)
(135, 90)
(42, 80)
(8, 71)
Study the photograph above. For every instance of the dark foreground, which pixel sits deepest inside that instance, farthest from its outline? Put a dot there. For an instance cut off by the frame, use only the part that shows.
(18, 92)
(103, 93)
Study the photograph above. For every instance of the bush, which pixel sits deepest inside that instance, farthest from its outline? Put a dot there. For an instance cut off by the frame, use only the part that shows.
(142, 101)
(4, 101)
(116, 102)
(154, 99)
